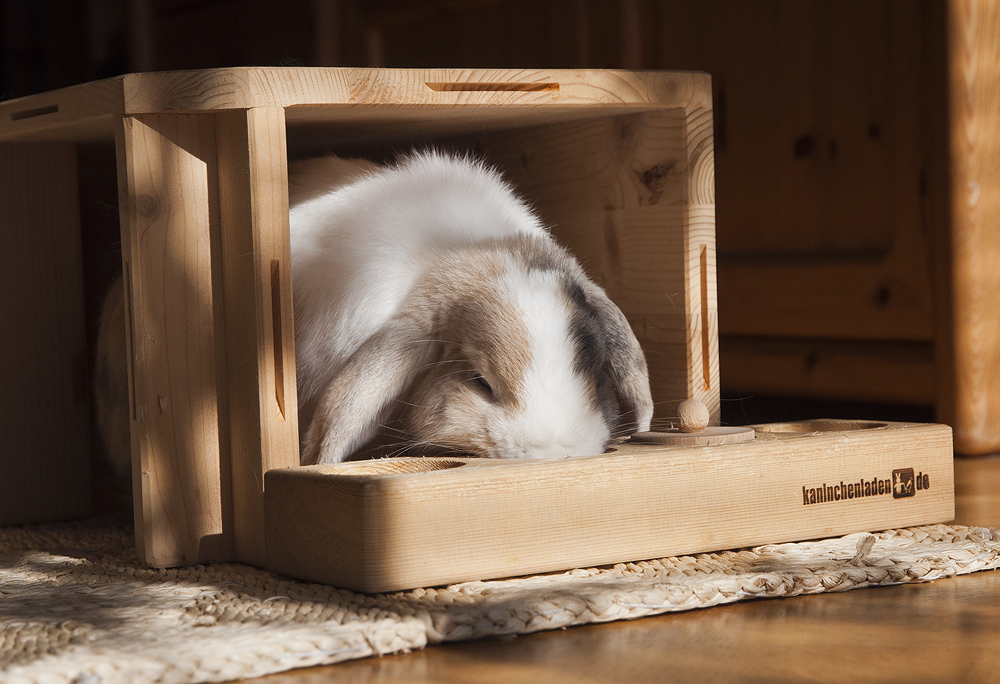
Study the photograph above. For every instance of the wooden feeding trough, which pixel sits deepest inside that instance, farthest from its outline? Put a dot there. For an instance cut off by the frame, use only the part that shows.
(619, 163)
(403, 523)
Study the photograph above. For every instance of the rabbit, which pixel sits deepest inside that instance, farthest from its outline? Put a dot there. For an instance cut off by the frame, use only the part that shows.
(433, 313)
(434, 310)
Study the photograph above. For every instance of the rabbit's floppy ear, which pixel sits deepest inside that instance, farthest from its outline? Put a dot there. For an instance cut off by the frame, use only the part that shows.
(627, 365)
(607, 345)
(350, 410)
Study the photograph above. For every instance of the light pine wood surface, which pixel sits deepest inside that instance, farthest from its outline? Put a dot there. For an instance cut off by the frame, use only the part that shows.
(412, 522)
(260, 354)
(167, 173)
(943, 631)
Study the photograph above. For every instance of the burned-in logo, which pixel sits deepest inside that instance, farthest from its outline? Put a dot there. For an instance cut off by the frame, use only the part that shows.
(903, 483)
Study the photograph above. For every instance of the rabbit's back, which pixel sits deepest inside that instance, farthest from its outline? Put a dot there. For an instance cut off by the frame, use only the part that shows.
(359, 247)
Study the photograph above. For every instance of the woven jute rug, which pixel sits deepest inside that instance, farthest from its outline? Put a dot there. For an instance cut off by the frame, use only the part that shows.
(76, 606)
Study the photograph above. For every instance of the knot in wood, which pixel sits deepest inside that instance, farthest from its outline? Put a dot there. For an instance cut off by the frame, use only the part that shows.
(147, 206)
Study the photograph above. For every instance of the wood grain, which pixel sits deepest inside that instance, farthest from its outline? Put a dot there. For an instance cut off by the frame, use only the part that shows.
(972, 294)
(170, 249)
(822, 140)
(977, 491)
(75, 114)
(828, 299)
(248, 87)
(849, 370)
(361, 526)
(260, 353)
(355, 98)
(44, 455)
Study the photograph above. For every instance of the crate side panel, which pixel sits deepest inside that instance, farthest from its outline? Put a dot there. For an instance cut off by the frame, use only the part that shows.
(44, 447)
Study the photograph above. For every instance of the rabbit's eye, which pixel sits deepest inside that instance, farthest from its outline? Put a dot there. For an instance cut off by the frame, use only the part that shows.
(481, 381)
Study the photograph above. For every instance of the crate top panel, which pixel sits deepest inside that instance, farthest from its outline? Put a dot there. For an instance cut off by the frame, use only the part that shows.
(434, 101)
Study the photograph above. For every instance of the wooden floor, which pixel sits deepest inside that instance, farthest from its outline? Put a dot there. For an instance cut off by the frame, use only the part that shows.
(945, 631)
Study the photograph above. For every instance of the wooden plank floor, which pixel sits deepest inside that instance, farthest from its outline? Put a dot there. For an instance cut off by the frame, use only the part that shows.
(945, 631)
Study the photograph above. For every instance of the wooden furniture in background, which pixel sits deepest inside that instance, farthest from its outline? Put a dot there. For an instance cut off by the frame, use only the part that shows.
(969, 288)
(619, 163)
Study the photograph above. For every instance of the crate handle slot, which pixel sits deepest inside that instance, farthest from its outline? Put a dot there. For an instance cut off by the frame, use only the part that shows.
(276, 346)
(130, 357)
(32, 113)
(706, 340)
(490, 87)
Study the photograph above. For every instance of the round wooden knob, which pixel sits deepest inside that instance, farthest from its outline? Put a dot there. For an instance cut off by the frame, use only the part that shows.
(693, 415)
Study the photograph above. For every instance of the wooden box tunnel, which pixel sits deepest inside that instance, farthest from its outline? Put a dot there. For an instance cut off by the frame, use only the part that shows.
(619, 164)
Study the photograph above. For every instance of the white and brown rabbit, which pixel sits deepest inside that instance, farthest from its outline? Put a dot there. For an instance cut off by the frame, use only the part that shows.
(434, 311)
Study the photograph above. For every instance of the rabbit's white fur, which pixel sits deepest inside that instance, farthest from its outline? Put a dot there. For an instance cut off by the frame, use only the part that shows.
(381, 248)
(359, 248)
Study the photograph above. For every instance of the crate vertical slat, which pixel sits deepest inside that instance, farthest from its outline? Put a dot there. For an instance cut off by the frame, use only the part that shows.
(701, 298)
(260, 344)
(44, 450)
(167, 183)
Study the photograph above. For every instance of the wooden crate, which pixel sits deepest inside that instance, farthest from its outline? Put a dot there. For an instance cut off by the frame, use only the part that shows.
(402, 523)
(619, 163)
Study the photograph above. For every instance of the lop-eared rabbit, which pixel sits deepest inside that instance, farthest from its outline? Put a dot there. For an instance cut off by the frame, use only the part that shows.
(433, 313)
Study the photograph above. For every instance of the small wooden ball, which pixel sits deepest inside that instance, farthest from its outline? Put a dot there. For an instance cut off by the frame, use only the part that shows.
(693, 415)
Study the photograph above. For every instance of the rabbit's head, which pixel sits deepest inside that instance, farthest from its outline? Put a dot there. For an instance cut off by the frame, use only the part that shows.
(504, 350)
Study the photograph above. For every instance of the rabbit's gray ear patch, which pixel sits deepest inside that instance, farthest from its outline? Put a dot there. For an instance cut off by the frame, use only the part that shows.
(608, 354)
(586, 332)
